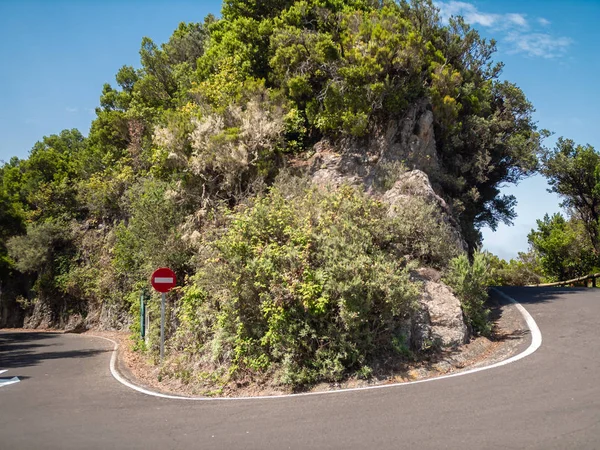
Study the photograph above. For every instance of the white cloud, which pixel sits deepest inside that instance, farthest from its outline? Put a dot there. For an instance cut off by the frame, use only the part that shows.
(470, 13)
(517, 19)
(512, 30)
(539, 44)
(544, 22)
(473, 16)
(71, 109)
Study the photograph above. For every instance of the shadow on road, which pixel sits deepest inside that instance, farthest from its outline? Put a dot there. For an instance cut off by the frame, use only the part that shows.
(19, 350)
(529, 295)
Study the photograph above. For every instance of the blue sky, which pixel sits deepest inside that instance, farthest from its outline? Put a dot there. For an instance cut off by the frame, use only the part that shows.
(57, 54)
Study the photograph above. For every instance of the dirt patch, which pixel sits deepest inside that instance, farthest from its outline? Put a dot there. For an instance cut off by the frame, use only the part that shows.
(508, 337)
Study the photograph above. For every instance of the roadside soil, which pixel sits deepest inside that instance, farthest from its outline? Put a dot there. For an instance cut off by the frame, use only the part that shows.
(508, 337)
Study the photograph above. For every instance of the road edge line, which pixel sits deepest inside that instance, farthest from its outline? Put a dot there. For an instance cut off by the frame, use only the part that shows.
(536, 342)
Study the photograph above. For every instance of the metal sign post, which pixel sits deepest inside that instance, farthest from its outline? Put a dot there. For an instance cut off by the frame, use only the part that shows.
(162, 326)
(163, 280)
(142, 315)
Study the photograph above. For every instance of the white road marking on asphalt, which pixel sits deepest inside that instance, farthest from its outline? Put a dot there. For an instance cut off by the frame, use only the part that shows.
(536, 342)
(536, 334)
(7, 381)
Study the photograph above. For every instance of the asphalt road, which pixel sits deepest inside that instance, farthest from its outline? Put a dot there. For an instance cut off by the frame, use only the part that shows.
(67, 399)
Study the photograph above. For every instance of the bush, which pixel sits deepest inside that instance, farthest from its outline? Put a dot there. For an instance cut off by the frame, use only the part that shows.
(470, 281)
(35, 251)
(522, 271)
(151, 237)
(304, 285)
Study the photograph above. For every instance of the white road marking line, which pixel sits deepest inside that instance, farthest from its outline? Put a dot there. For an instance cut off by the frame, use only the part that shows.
(536, 334)
(7, 381)
(536, 342)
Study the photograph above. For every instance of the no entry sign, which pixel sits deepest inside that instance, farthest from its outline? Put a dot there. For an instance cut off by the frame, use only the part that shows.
(163, 279)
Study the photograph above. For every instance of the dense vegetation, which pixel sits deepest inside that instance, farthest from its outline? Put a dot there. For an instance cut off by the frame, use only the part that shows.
(182, 168)
(563, 248)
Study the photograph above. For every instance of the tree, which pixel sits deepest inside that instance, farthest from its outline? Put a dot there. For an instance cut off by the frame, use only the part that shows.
(11, 224)
(573, 172)
(562, 247)
(42, 186)
(188, 42)
(255, 9)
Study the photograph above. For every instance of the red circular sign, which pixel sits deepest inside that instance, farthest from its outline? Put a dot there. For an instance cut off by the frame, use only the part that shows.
(163, 279)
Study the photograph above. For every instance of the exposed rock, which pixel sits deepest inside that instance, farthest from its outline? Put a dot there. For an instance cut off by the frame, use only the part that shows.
(415, 183)
(429, 274)
(75, 324)
(109, 317)
(410, 141)
(40, 317)
(331, 168)
(439, 319)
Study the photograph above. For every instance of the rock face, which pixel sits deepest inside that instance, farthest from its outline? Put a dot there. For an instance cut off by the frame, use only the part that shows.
(438, 320)
(40, 316)
(75, 324)
(410, 141)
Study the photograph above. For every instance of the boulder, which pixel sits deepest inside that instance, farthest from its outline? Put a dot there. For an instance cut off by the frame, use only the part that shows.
(439, 318)
(75, 324)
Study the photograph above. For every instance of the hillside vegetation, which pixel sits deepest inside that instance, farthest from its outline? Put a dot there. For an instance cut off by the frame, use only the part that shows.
(194, 161)
(562, 248)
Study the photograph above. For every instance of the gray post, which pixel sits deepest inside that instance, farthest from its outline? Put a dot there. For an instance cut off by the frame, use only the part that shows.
(142, 316)
(147, 326)
(162, 327)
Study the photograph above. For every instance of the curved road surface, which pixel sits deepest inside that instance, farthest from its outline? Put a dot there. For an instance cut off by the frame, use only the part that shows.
(67, 399)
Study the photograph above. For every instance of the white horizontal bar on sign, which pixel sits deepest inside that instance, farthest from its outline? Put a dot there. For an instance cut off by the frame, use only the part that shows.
(163, 280)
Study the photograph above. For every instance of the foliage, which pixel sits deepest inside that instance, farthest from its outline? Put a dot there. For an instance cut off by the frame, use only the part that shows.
(302, 284)
(11, 224)
(176, 168)
(523, 271)
(45, 252)
(573, 172)
(152, 237)
(563, 248)
(36, 250)
(42, 186)
(470, 281)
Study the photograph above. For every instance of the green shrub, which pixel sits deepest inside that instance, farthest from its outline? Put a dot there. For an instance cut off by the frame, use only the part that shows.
(152, 236)
(36, 250)
(522, 271)
(421, 233)
(304, 285)
(470, 281)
